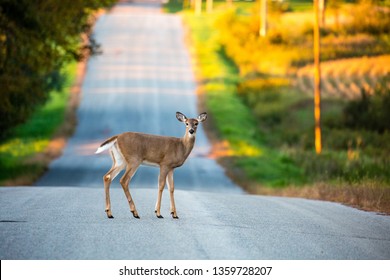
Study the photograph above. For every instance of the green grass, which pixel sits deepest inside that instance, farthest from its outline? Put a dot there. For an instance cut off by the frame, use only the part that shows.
(301, 5)
(174, 6)
(354, 167)
(33, 137)
(269, 127)
(233, 119)
(286, 118)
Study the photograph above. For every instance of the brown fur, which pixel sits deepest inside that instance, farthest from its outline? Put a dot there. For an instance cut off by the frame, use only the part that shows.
(131, 149)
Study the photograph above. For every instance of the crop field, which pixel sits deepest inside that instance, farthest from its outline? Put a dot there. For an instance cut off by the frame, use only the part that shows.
(346, 78)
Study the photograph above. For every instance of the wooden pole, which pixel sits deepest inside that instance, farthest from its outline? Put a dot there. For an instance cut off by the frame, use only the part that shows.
(263, 18)
(209, 6)
(317, 79)
(198, 7)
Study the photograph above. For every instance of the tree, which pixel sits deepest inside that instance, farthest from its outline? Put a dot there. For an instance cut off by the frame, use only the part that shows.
(36, 38)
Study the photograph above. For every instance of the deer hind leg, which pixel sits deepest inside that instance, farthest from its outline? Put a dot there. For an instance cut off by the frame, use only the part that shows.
(171, 189)
(161, 184)
(125, 180)
(107, 179)
(117, 166)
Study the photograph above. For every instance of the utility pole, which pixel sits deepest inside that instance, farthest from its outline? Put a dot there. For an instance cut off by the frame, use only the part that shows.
(317, 79)
(263, 18)
(198, 7)
(209, 6)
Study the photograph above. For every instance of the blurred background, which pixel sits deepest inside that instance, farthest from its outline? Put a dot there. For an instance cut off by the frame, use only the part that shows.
(254, 64)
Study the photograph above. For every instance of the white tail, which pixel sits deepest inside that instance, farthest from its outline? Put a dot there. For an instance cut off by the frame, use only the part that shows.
(130, 149)
(105, 146)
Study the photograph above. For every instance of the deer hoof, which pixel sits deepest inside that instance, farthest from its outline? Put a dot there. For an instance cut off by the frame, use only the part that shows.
(158, 216)
(135, 215)
(174, 215)
(109, 215)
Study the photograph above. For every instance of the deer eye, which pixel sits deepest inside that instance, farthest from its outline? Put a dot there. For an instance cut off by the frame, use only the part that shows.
(186, 123)
(196, 124)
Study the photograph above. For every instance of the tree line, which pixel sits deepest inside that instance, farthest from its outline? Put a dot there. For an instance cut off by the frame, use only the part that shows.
(36, 38)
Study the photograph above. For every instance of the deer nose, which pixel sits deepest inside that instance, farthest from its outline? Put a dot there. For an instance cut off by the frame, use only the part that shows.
(191, 131)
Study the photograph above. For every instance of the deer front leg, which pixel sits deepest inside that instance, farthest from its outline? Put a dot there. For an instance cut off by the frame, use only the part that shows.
(161, 184)
(171, 188)
(125, 180)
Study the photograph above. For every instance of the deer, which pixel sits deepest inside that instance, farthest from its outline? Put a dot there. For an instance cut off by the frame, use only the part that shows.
(129, 150)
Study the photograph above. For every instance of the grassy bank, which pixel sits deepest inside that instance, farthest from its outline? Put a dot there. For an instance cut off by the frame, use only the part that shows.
(263, 123)
(241, 145)
(24, 155)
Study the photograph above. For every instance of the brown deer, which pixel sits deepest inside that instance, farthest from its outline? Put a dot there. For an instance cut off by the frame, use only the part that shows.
(131, 149)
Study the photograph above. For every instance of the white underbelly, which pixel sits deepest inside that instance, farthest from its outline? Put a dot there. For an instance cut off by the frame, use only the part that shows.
(149, 163)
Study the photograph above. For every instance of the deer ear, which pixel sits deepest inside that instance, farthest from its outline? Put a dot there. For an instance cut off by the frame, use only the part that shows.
(202, 117)
(181, 117)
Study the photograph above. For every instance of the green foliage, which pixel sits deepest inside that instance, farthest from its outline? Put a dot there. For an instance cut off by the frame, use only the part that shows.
(174, 6)
(32, 137)
(36, 39)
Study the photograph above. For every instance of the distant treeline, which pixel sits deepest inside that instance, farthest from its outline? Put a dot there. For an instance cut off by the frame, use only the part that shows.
(36, 38)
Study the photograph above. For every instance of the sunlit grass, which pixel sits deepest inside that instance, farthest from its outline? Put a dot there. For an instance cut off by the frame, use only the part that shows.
(218, 78)
(20, 148)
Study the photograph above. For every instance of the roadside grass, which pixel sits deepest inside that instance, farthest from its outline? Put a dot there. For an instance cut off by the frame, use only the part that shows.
(354, 167)
(18, 152)
(264, 123)
(218, 78)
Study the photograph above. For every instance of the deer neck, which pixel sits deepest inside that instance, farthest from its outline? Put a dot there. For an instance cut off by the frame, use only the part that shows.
(188, 141)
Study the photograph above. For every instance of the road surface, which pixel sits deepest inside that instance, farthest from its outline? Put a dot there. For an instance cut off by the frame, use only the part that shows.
(139, 82)
(142, 78)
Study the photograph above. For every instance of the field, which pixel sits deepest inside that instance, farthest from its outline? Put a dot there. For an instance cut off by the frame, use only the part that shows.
(346, 78)
(258, 91)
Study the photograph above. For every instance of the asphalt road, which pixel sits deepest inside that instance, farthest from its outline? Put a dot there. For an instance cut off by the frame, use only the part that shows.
(142, 78)
(139, 82)
(70, 223)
